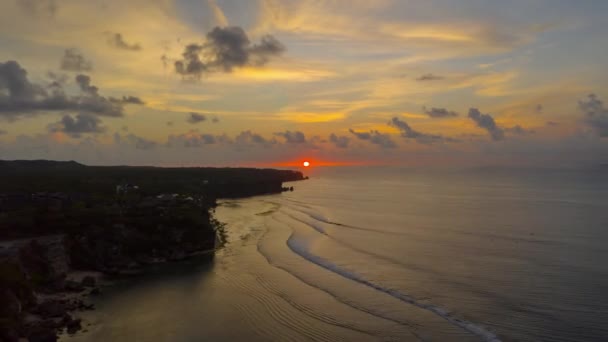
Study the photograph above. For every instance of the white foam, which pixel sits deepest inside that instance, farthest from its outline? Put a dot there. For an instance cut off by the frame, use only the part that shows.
(300, 247)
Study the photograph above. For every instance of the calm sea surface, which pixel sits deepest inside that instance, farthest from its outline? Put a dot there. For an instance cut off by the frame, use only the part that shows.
(369, 254)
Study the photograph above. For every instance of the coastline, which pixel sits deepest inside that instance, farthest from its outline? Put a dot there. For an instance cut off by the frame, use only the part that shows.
(94, 238)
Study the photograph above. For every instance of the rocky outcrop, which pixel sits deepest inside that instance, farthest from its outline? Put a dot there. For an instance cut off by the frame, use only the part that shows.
(33, 289)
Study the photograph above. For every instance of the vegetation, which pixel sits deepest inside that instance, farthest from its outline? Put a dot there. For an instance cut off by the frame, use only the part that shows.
(106, 219)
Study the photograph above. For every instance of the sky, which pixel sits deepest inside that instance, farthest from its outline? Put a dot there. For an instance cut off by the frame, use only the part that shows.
(276, 82)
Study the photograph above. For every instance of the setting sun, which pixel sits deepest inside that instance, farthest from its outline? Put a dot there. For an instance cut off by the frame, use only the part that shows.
(306, 164)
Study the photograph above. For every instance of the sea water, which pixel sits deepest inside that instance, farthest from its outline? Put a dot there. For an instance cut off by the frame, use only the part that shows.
(389, 254)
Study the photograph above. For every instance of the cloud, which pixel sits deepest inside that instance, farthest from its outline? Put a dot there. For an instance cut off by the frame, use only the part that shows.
(74, 60)
(138, 142)
(408, 132)
(128, 100)
(486, 122)
(3, 132)
(339, 141)
(38, 7)
(19, 96)
(16, 91)
(429, 77)
(295, 137)
(215, 119)
(84, 82)
(538, 108)
(376, 138)
(116, 40)
(195, 118)
(226, 48)
(439, 112)
(518, 130)
(596, 115)
(249, 138)
(76, 126)
(195, 139)
(94, 103)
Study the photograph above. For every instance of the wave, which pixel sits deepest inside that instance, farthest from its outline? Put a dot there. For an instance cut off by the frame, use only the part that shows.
(300, 248)
(335, 296)
(501, 300)
(321, 218)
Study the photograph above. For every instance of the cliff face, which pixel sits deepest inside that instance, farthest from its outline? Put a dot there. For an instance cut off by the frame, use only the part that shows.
(32, 272)
(107, 219)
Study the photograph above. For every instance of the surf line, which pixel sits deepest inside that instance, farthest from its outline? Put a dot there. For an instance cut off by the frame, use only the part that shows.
(473, 328)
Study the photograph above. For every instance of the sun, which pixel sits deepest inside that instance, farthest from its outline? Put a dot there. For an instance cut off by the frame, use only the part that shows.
(306, 164)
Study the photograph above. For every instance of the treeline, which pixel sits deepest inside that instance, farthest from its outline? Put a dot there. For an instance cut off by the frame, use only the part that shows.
(72, 177)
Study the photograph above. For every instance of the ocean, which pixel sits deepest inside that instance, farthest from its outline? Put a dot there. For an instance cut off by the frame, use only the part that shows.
(387, 254)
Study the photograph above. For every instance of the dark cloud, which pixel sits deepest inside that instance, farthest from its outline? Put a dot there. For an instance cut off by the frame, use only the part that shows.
(84, 82)
(136, 141)
(376, 138)
(269, 47)
(429, 77)
(19, 96)
(226, 48)
(518, 130)
(38, 7)
(94, 103)
(424, 138)
(74, 60)
(195, 139)
(596, 115)
(250, 138)
(486, 121)
(339, 141)
(128, 100)
(116, 40)
(16, 91)
(439, 112)
(195, 118)
(57, 80)
(76, 126)
(295, 137)
(191, 64)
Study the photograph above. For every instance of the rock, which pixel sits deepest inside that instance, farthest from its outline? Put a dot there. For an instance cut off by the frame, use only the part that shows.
(42, 334)
(73, 286)
(51, 308)
(73, 326)
(8, 334)
(11, 306)
(88, 281)
(33, 258)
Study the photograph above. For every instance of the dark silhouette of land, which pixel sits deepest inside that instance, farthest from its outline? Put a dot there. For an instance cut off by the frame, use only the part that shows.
(60, 217)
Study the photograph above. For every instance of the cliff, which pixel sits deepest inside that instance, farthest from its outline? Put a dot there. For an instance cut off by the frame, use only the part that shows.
(57, 217)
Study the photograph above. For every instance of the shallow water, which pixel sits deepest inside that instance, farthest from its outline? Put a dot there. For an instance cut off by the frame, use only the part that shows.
(388, 255)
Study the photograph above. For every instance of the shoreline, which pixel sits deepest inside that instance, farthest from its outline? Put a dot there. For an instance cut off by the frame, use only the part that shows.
(56, 310)
(49, 230)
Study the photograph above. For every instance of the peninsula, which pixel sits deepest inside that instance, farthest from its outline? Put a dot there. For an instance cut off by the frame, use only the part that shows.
(64, 224)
